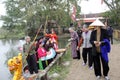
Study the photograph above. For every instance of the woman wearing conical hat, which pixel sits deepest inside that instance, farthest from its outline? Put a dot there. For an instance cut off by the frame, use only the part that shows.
(100, 49)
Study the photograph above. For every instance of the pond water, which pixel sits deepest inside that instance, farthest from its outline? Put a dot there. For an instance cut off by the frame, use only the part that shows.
(8, 49)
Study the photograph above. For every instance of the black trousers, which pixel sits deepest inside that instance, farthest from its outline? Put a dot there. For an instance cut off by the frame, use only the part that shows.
(78, 54)
(46, 63)
(85, 52)
(97, 65)
(111, 39)
(32, 64)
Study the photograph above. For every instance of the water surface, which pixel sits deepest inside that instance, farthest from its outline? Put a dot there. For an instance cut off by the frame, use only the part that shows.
(8, 49)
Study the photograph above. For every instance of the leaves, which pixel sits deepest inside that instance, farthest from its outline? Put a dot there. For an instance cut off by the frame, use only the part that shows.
(114, 14)
(24, 14)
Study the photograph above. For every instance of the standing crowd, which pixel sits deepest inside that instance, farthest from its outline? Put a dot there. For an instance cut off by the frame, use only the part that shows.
(40, 53)
(95, 43)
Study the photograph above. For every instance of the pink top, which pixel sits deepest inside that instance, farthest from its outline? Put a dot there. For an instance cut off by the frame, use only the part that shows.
(41, 52)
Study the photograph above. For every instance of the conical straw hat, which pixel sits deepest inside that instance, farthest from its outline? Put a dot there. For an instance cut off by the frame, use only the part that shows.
(97, 22)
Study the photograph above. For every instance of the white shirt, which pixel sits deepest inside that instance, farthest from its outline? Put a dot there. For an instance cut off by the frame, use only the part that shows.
(86, 39)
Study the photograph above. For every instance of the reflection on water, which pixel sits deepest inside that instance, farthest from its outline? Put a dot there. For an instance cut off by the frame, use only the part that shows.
(8, 49)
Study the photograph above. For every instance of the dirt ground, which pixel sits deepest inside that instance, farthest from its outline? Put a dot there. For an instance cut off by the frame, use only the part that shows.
(79, 72)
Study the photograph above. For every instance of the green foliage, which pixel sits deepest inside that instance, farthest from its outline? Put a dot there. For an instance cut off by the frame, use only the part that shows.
(25, 14)
(114, 14)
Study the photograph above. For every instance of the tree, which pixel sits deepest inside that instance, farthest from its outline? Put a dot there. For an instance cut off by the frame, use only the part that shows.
(13, 18)
(114, 13)
(29, 14)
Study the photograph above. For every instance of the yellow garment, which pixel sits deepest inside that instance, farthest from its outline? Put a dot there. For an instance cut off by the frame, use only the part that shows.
(11, 64)
(91, 27)
(15, 64)
(10, 61)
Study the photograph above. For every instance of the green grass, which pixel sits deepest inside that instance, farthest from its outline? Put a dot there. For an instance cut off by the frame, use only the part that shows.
(60, 69)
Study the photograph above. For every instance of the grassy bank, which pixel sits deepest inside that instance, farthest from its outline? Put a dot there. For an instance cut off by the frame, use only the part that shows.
(61, 69)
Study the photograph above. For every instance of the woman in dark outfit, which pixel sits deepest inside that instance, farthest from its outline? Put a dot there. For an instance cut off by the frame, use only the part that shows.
(97, 41)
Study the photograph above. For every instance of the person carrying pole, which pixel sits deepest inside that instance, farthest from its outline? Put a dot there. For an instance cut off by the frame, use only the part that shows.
(29, 50)
(31, 57)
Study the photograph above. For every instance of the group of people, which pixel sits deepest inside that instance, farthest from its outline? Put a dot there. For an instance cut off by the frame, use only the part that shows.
(42, 51)
(95, 44)
(94, 40)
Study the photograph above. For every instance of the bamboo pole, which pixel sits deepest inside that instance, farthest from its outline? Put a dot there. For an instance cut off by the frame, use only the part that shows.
(45, 25)
(98, 37)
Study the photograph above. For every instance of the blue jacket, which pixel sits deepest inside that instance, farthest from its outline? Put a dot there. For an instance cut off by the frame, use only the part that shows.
(105, 49)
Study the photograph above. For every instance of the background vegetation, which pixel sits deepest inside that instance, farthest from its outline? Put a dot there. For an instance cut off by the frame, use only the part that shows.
(24, 15)
(113, 15)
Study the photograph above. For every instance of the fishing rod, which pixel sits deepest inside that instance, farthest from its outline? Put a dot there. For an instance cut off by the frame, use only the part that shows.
(45, 25)
(34, 39)
(45, 33)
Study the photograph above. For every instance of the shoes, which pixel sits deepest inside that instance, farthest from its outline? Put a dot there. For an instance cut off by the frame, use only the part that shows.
(107, 78)
(91, 68)
(83, 64)
(98, 78)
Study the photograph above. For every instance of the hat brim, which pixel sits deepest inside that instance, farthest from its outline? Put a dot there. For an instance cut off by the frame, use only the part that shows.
(97, 22)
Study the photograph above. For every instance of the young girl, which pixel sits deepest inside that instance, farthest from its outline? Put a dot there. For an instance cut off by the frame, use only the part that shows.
(42, 53)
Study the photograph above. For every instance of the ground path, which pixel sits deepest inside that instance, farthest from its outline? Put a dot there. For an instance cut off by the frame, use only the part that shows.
(79, 72)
